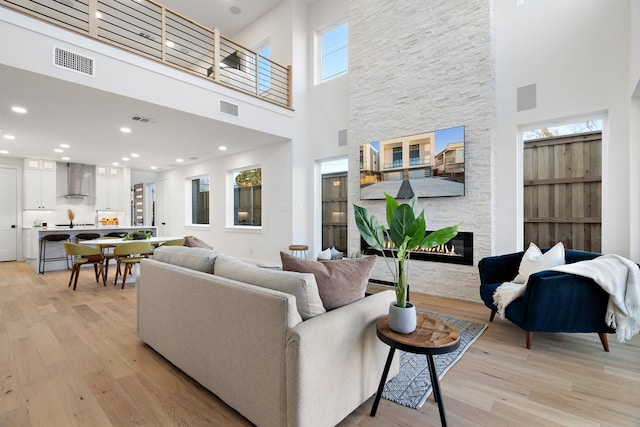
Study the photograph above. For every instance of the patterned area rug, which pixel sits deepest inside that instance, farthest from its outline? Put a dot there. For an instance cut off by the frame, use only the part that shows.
(412, 386)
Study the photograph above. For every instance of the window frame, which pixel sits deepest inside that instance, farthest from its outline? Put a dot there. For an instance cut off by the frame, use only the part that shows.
(319, 51)
(231, 202)
(189, 201)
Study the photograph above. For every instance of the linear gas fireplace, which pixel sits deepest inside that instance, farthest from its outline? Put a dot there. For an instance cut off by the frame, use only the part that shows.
(458, 250)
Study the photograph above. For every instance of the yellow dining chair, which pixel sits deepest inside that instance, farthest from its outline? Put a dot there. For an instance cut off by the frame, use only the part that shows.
(82, 255)
(128, 254)
(107, 252)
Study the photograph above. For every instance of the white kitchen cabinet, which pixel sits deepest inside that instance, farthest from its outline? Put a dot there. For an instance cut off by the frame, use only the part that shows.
(39, 184)
(30, 243)
(109, 194)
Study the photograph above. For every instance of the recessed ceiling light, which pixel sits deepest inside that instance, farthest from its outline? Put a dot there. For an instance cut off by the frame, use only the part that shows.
(98, 15)
(135, 155)
(125, 130)
(179, 160)
(222, 148)
(235, 10)
(4, 152)
(59, 150)
(65, 158)
(8, 137)
(20, 110)
(170, 44)
(65, 145)
(154, 167)
(115, 164)
(126, 159)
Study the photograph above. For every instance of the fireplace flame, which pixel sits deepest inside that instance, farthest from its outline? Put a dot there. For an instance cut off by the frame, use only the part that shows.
(440, 249)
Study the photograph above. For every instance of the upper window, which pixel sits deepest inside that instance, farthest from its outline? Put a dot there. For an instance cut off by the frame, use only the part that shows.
(247, 197)
(333, 52)
(264, 67)
(199, 192)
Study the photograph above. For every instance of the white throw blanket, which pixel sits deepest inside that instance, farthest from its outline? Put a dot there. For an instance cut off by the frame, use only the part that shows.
(618, 276)
(506, 293)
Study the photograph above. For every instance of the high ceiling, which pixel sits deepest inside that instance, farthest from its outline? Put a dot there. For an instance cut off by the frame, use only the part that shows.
(59, 113)
(221, 14)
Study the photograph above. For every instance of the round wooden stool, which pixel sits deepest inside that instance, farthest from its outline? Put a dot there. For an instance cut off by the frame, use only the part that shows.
(299, 250)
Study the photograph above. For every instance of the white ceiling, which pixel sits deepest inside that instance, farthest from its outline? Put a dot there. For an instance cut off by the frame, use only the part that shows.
(217, 13)
(58, 111)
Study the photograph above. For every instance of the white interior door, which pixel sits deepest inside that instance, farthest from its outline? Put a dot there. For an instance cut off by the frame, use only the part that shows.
(161, 207)
(8, 215)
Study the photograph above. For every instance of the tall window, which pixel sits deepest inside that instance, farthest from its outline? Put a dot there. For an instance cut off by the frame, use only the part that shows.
(247, 197)
(562, 181)
(199, 200)
(264, 67)
(334, 204)
(333, 52)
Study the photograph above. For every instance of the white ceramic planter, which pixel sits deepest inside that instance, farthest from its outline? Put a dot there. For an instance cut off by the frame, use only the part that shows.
(402, 320)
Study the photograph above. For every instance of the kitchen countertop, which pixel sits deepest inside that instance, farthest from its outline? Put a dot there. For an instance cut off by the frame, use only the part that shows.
(90, 228)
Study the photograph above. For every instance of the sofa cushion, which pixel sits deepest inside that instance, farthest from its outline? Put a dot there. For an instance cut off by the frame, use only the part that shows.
(302, 286)
(194, 242)
(340, 282)
(534, 261)
(199, 259)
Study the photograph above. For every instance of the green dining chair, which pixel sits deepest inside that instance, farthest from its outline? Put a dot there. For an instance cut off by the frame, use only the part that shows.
(127, 255)
(81, 255)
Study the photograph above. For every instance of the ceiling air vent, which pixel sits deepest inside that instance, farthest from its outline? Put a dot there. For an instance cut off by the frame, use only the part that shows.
(228, 108)
(142, 119)
(74, 62)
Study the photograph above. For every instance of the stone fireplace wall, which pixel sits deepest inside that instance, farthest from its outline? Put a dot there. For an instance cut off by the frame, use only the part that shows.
(414, 67)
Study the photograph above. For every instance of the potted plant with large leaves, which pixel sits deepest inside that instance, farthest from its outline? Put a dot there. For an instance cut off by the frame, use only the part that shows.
(405, 231)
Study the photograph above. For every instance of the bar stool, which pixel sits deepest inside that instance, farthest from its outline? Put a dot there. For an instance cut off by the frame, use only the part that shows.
(87, 236)
(51, 238)
(299, 250)
(116, 234)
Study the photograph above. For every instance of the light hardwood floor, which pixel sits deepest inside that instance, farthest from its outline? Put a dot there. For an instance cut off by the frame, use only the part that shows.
(73, 359)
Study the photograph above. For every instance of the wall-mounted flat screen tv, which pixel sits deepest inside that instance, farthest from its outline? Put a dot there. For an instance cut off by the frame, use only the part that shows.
(429, 164)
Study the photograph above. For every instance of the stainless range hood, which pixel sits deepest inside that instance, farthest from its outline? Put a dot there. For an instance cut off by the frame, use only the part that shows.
(78, 177)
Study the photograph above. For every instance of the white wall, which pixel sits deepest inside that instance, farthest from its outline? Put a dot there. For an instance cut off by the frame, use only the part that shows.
(262, 244)
(319, 111)
(634, 130)
(577, 53)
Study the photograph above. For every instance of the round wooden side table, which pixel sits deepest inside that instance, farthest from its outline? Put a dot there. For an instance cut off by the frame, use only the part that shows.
(299, 250)
(432, 336)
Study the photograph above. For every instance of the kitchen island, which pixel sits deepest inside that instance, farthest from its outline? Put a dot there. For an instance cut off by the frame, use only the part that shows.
(33, 235)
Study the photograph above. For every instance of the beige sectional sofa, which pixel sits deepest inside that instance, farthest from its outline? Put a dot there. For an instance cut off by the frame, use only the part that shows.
(249, 344)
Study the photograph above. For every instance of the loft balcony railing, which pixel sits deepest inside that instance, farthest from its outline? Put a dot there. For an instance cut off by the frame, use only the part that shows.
(151, 30)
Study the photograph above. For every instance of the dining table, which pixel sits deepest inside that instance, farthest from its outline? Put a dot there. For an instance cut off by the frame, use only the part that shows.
(155, 241)
(112, 242)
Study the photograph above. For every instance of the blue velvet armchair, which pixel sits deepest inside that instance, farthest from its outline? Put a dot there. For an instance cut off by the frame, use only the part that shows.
(552, 302)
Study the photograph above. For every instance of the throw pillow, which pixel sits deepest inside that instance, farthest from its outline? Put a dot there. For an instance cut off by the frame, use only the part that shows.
(199, 259)
(194, 242)
(534, 260)
(303, 286)
(339, 282)
(336, 254)
(326, 254)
